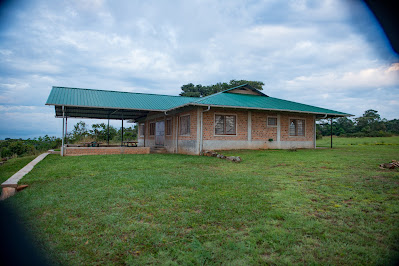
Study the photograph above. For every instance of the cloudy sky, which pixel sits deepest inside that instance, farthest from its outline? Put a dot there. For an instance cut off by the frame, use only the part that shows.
(328, 53)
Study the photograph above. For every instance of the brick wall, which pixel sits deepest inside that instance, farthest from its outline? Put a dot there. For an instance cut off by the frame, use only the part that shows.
(309, 127)
(75, 151)
(260, 133)
(260, 129)
(241, 125)
(193, 125)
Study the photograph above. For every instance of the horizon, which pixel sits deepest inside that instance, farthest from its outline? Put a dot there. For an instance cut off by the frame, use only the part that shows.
(330, 54)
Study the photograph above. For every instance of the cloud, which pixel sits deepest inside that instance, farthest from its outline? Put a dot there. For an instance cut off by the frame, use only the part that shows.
(317, 52)
(362, 79)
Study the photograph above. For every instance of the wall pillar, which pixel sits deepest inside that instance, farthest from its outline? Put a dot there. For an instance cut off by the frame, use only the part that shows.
(278, 131)
(249, 126)
(199, 130)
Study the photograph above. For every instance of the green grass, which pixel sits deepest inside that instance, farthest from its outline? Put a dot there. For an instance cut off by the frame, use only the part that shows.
(339, 142)
(276, 207)
(12, 166)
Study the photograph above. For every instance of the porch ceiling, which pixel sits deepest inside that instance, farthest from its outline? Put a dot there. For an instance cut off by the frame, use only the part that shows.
(99, 113)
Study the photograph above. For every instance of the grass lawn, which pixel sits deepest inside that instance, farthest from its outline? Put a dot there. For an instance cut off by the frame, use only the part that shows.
(276, 207)
(340, 142)
(13, 165)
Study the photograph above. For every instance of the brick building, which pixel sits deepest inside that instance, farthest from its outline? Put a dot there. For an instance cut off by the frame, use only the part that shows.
(238, 118)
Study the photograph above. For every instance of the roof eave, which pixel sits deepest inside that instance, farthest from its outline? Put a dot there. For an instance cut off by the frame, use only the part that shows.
(268, 109)
(107, 107)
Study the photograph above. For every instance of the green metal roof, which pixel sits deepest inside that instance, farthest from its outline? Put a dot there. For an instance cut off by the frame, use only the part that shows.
(235, 100)
(64, 96)
(87, 103)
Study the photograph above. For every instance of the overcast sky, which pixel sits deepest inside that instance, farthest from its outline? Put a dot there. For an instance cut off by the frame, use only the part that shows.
(330, 54)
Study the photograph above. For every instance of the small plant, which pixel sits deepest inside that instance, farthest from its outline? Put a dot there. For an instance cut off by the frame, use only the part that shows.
(270, 140)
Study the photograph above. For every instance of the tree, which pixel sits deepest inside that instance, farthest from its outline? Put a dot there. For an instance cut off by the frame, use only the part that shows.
(369, 123)
(344, 126)
(100, 131)
(79, 131)
(191, 90)
(392, 126)
(130, 133)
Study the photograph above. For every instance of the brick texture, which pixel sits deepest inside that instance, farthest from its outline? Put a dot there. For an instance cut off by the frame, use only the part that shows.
(260, 130)
(76, 151)
(241, 125)
(309, 127)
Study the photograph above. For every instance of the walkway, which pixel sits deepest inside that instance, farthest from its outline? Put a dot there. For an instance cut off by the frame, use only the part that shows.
(13, 181)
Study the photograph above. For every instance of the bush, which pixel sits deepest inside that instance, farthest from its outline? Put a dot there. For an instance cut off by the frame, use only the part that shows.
(17, 148)
(5, 152)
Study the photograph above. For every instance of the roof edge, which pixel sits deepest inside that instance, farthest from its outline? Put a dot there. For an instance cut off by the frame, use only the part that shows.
(62, 87)
(267, 109)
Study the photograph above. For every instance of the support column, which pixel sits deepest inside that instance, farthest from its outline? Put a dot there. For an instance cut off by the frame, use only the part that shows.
(331, 131)
(63, 124)
(66, 130)
(122, 133)
(108, 132)
(315, 131)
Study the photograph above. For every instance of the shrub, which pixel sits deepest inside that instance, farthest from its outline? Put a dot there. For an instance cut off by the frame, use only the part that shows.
(17, 148)
(5, 152)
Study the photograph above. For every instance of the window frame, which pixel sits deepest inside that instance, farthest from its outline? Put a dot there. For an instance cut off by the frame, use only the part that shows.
(296, 127)
(224, 130)
(152, 128)
(189, 125)
(267, 121)
(168, 130)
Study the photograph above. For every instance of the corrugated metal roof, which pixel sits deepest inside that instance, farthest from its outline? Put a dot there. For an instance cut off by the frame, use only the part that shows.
(114, 99)
(261, 102)
(97, 100)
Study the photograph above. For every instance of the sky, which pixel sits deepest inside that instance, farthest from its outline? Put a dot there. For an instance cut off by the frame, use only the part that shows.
(327, 53)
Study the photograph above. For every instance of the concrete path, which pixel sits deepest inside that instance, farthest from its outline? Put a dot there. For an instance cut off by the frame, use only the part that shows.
(13, 181)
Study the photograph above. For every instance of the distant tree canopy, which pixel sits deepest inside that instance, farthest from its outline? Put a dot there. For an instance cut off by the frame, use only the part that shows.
(99, 132)
(369, 124)
(191, 90)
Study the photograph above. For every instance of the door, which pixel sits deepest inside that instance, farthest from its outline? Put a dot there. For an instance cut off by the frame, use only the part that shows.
(160, 133)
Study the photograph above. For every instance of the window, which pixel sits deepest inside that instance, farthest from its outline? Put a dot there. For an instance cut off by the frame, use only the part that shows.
(141, 129)
(271, 121)
(297, 127)
(185, 125)
(169, 126)
(225, 124)
(152, 129)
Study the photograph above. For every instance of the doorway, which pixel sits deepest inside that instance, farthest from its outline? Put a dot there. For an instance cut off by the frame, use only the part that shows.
(160, 133)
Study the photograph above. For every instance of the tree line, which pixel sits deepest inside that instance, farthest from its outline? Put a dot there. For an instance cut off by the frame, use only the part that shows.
(19, 147)
(370, 124)
(99, 132)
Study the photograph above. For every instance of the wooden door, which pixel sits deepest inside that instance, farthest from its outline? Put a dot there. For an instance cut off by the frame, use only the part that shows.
(160, 133)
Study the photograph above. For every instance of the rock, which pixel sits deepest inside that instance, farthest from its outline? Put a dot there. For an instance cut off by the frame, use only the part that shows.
(235, 159)
(387, 165)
